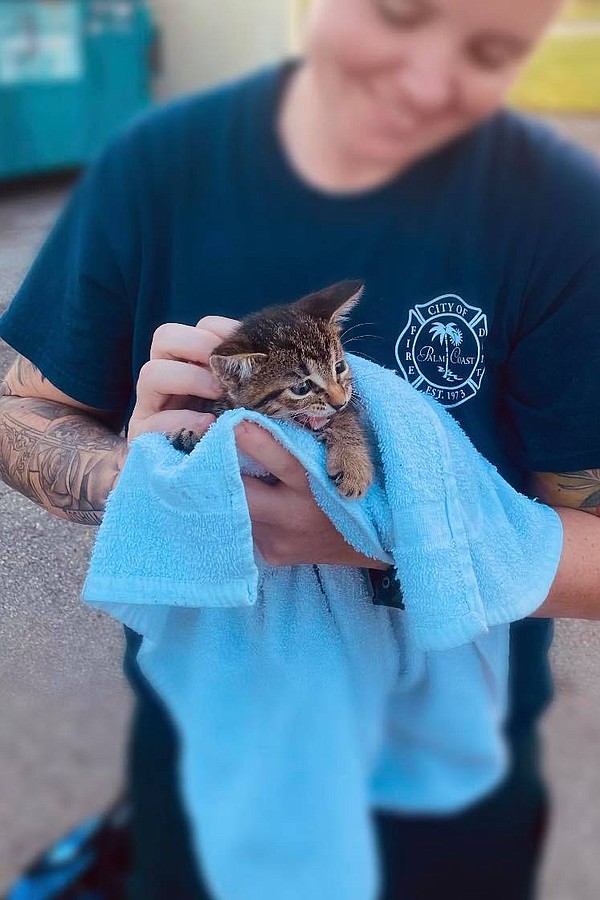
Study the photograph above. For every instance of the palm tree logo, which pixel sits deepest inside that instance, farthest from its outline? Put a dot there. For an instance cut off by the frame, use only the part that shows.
(447, 334)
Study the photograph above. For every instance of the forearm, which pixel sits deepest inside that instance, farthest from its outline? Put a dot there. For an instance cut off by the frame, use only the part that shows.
(59, 457)
(575, 592)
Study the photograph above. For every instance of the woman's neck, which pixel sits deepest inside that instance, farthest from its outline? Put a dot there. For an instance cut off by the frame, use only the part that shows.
(314, 149)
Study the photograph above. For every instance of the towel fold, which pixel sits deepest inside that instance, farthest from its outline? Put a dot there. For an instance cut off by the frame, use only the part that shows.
(299, 703)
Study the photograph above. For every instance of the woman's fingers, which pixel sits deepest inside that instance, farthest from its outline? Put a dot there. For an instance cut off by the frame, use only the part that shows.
(169, 422)
(177, 373)
(220, 326)
(161, 379)
(259, 497)
(264, 449)
(188, 343)
(183, 342)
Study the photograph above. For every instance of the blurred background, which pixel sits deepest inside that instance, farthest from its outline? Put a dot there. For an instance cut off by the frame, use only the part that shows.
(71, 73)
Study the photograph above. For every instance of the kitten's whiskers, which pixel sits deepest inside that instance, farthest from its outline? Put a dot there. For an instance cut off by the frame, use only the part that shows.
(362, 337)
(359, 325)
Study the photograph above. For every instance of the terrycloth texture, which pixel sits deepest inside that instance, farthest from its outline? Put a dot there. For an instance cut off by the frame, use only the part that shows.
(300, 703)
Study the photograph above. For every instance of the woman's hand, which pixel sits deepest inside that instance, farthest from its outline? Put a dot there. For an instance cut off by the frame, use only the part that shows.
(176, 373)
(288, 527)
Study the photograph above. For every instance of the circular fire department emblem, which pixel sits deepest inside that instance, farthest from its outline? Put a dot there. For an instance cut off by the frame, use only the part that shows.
(440, 351)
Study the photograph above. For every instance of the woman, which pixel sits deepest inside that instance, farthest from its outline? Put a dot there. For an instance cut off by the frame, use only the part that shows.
(382, 155)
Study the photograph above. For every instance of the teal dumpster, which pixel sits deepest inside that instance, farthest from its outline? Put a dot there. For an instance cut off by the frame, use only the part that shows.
(71, 73)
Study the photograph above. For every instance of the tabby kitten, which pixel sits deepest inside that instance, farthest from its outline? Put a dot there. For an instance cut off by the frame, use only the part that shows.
(288, 362)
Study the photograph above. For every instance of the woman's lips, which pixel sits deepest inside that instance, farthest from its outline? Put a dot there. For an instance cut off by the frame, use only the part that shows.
(392, 116)
(396, 123)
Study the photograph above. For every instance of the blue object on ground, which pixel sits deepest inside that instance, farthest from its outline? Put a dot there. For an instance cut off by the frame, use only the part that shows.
(90, 863)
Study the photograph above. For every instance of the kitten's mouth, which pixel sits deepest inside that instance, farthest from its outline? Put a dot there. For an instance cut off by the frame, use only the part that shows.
(315, 423)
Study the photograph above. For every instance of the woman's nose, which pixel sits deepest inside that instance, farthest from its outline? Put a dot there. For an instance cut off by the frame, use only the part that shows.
(427, 80)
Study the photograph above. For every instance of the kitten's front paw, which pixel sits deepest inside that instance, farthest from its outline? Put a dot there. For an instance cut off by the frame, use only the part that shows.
(185, 439)
(352, 474)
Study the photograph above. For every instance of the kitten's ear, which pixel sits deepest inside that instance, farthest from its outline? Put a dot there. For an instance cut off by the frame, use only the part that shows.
(238, 367)
(333, 303)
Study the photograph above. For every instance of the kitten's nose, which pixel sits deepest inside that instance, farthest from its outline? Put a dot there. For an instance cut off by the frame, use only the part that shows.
(337, 397)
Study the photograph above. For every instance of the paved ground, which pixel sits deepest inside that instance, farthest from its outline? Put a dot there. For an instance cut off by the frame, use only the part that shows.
(64, 707)
(63, 704)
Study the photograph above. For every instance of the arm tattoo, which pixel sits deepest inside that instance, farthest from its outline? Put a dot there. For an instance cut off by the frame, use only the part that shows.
(59, 457)
(19, 377)
(587, 483)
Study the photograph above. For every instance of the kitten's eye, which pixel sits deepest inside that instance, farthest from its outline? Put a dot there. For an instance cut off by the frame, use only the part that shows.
(302, 389)
(340, 367)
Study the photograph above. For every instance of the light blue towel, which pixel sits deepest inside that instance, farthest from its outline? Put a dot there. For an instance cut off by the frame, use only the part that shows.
(299, 703)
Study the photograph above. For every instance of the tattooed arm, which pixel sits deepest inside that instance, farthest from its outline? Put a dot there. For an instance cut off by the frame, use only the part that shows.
(578, 490)
(575, 592)
(54, 450)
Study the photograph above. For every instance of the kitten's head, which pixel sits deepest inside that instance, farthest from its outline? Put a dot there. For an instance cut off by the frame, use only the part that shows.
(288, 361)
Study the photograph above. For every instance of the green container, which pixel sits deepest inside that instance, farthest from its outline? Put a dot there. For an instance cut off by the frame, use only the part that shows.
(71, 73)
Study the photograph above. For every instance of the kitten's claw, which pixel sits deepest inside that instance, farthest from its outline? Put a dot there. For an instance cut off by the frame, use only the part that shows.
(354, 481)
(185, 439)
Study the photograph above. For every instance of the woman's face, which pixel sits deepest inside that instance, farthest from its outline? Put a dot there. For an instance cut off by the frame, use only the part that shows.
(397, 78)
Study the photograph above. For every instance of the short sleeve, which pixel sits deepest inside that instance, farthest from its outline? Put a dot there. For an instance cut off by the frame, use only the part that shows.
(72, 316)
(553, 381)
(550, 399)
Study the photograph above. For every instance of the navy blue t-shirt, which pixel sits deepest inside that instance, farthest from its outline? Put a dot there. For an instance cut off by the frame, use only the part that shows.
(481, 264)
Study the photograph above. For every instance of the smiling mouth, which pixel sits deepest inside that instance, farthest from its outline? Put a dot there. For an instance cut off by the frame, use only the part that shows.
(396, 124)
(392, 116)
